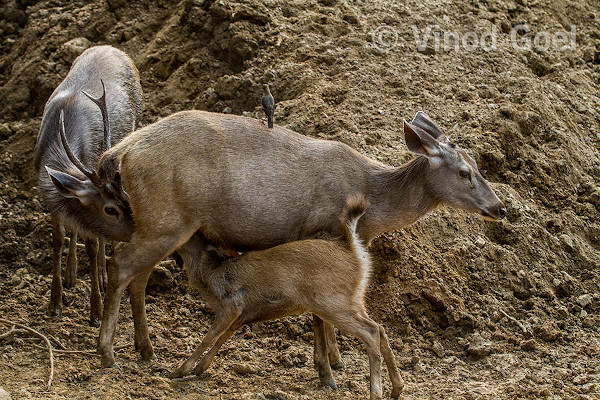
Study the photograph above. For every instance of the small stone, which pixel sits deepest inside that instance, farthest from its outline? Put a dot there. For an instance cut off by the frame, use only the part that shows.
(181, 332)
(295, 330)
(529, 345)
(161, 383)
(547, 333)
(545, 392)
(286, 360)
(438, 349)
(583, 313)
(428, 50)
(479, 242)
(588, 322)
(435, 298)
(4, 395)
(74, 47)
(478, 346)
(227, 110)
(584, 299)
(581, 379)
(161, 278)
(588, 388)
(244, 369)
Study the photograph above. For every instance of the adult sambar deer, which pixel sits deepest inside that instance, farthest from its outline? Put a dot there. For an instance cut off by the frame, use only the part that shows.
(244, 186)
(74, 132)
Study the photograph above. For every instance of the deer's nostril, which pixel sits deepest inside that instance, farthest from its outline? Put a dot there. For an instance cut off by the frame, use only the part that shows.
(502, 212)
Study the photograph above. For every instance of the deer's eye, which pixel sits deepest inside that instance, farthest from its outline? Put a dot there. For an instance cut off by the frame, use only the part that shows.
(112, 211)
(463, 173)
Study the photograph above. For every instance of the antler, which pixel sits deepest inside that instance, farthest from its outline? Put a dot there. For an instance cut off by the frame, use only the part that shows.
(101, 102)
(61, 128)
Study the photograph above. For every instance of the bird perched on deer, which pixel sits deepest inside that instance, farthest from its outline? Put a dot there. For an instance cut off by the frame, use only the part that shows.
(268, 104)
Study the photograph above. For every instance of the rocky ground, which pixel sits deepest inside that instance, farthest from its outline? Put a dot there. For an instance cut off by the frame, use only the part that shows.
(474, 309)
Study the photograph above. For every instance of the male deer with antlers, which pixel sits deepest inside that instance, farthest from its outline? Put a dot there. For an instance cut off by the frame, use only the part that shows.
(72, 136)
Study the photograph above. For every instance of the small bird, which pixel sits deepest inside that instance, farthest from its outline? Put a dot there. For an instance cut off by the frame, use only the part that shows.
(268, 104)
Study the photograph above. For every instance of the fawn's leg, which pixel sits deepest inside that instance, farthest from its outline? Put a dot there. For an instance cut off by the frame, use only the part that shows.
(390, 362)
(226, 316)
(210, 354)
(91, 247)
(333, 353)
(71, 271)
(137, 298)
(320, 353)
(58, 239)
(358, 324)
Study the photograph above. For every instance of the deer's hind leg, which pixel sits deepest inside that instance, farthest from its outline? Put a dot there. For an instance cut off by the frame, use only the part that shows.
(390, 362)
(320, 353)
(359, 324)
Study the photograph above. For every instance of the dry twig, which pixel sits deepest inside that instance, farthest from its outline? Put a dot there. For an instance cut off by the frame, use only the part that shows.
(516, 321)
(9, 333)
(5, 321)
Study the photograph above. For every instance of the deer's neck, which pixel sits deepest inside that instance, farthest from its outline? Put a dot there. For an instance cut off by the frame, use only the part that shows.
(399, 196)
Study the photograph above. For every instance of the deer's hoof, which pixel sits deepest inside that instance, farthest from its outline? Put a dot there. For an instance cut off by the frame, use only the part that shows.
(178, 373)
(147, 353)
(108, 361)
(54, 311)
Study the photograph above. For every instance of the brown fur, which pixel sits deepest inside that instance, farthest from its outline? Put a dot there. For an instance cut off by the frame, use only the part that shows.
(243, 186)
(320, 276)
(84, 133)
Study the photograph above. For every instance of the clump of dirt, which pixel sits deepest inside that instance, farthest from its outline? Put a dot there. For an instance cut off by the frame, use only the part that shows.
(474, 309)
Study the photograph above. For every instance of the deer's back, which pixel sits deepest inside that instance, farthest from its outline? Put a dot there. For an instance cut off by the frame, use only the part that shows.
(243, 185)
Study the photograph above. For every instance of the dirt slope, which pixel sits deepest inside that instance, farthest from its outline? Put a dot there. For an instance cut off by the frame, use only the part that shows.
(444, 287)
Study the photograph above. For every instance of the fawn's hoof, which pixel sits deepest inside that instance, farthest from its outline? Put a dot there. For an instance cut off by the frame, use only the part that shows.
(338, 365)
(329, 382)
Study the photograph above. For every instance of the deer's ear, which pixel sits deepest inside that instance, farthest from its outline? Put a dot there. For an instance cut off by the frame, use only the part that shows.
(421, 142)
(422, 120)
(71, 187)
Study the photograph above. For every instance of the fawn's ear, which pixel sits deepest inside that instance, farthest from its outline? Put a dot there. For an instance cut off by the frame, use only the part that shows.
(421, 142)
(71, 187)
